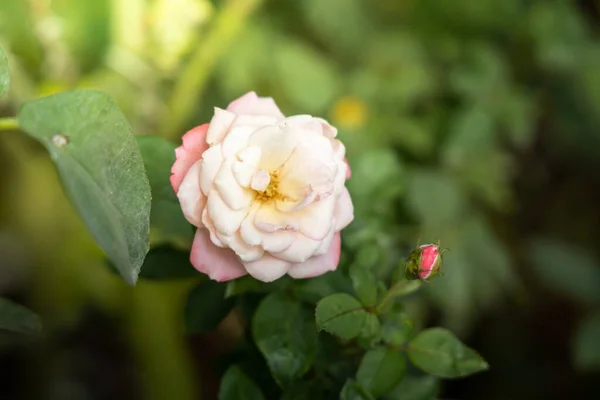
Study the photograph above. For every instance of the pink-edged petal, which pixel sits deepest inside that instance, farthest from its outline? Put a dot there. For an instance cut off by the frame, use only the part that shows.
(300, 251)
(219, 125)
(319, 265)
(250, 103)
(267, 268)
(328, 130)
(348, 170)
(194, 145)
(218, 263)
(344, 211)
(226, 220)
(190, 196)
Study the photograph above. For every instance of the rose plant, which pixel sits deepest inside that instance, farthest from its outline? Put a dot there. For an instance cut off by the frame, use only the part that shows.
(266, 197)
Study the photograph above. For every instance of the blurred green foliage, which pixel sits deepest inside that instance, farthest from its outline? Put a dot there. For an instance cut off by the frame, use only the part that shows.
(472, 122)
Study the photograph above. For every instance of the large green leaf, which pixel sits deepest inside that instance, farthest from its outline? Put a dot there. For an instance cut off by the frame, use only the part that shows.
(341, 314)
(381, 370)
(101, 168)
(425, 387)
(285, 334)
(309, 79)
(566, 268)
(235, 385)
(167, 223)
(206, 307)
(4, 73)
(438, 352)
(586, 344)
(18, 319)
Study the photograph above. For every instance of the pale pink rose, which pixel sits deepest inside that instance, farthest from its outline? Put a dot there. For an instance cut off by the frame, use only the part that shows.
(266, 192)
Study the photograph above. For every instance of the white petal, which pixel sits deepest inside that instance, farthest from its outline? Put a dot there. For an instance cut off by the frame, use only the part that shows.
(210, 226)
(276, 144)
(219, 124)
(267, 268)
(277, 242)
(211, 164)
(301, 250)
(256, 120)
(318, 265)
(260, 180)
(226, 220)
(242, 249)
(190, 196)
(316, 219)
(269, 219)
(248, 230)
(235, 196)
(247, 165)
(326, 243)
(236, 140)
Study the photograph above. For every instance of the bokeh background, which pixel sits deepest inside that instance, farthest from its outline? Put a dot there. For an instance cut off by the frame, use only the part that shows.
(476, 122)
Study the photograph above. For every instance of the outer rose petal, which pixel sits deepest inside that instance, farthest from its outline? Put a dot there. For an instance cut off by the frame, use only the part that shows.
(191, 198)
(348, 170)
(250, 103)
(194, 144)
(218, 263)
(318, 265)
(344, 211)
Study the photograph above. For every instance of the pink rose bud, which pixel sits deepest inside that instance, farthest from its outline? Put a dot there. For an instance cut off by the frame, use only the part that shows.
(266, 192)
(424, 262)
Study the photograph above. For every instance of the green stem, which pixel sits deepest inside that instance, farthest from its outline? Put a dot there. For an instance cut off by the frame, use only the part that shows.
(9, 124)
(194, 76)
(400, 288)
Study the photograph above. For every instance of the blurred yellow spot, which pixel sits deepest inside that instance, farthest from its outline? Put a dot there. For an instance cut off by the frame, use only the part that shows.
(349, 112)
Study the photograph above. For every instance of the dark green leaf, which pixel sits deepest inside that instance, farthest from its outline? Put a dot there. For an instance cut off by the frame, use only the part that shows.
(370, 332)
(235, 385)
(167, 223)
(438, 352)
(18, 319)
(206, 307)
(380, 371)
(396, 329)
(586, 344)
(285, 334)
(166, 262)
(411, 387)
(341, 315)
(248, 284)
(101, 168)
(567, 269)
(4, 74)
(314, 289)
(365, 284)
(353, 391)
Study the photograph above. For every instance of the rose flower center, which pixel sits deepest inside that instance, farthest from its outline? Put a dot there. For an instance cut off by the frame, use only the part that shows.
(266, 186)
